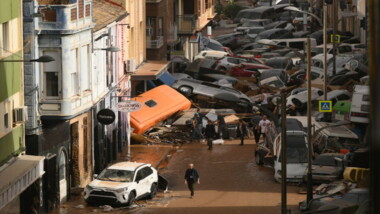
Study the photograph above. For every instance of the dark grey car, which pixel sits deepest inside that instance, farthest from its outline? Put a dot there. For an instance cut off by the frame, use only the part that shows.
(196, 87)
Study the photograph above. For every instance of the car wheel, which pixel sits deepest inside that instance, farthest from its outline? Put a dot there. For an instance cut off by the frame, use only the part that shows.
(297, 103)
(258, 159)
(185, 90)
(131, 198)
(153, 191)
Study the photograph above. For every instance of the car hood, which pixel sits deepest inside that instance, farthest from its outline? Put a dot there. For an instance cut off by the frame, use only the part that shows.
(111, 185)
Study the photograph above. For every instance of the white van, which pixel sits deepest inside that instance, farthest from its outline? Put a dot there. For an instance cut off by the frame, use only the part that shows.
(210, 54)
(332, 138)
(296, 43)
(360, 104)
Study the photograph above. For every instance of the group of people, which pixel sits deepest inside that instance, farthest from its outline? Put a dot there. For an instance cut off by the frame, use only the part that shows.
(209, 133)
(258, 124)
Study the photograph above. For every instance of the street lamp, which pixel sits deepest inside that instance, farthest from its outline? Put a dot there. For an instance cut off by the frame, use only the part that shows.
(41, 59)
(109, 49)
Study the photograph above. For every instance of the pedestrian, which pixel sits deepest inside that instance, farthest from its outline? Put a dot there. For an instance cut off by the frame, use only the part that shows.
(197, 127)
(210, 133)
(255, 126)
(263, 126)
(191, 177)
(241, 131)
(221, 125)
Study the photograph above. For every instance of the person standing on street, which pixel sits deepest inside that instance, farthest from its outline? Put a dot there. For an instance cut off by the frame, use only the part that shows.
(210, 133)
(191, 177)
(263, 126)
(241, 131)
(255, 125)
(221, 126)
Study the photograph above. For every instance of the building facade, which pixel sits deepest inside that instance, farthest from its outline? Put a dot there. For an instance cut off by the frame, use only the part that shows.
(17, 171)
(59, 95)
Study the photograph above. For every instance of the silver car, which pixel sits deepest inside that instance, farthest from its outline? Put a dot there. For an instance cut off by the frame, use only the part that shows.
(196, 87)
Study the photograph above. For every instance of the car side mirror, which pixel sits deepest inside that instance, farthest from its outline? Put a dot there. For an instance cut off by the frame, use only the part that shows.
(95, 175)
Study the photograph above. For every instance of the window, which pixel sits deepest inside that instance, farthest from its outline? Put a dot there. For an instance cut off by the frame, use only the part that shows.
(365, 98)
(74, 73)
(147, 171)
(73, 14)
(364, 108)
(4, 38)
(139, 175)
(81, 8)
(84, 67)
(150, 103)
(297, 45)
(6, 120)
(88, 10)
(51, 75)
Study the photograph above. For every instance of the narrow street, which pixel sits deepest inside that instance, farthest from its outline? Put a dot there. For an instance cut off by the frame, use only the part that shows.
(231, 182)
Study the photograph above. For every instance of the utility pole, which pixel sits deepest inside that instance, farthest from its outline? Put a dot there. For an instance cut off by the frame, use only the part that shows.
(325, 51)
(309, 143)
(335, 26)
(284, 208)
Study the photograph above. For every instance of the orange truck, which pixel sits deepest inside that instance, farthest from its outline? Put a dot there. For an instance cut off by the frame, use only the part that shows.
(157, 105)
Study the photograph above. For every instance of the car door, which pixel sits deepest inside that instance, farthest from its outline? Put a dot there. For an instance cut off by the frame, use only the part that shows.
(146, 180)
(140, 188)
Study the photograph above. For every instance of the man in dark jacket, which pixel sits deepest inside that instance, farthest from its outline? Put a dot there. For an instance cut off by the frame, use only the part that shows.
(210, 133)
(241, 131)
(191, 177)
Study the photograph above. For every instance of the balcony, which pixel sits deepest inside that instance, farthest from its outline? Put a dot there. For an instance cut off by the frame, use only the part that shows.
(186, 24)
(157, 43)
(65, 17)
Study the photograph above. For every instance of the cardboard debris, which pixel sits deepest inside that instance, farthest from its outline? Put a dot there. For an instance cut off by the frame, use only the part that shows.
(242, 86)
(231, 119)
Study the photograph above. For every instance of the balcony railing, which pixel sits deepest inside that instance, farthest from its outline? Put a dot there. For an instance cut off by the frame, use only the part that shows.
(186, 24)
(157, 43)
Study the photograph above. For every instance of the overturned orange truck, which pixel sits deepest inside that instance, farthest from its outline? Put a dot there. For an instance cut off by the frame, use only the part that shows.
(157, 105)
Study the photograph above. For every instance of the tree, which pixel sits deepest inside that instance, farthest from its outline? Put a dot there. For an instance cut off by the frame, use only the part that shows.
(231, 9)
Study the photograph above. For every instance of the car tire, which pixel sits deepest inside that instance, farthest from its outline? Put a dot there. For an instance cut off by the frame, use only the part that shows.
(153, 191)
(131, 198)
(297, 103)
(258, 159)
(185, 90)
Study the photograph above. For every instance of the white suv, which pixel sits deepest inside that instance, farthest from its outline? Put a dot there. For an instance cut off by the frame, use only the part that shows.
(123, 183)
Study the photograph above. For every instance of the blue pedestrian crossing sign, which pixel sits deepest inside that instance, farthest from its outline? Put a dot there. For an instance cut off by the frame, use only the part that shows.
(325, 106)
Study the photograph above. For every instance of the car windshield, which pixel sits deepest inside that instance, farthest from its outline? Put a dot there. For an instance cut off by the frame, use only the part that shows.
(251, 24)
(324, 160)
(296, 151)
(116, 175)
(254, 31)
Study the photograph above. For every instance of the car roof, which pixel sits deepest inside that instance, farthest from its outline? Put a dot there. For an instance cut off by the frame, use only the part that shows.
(131, 166)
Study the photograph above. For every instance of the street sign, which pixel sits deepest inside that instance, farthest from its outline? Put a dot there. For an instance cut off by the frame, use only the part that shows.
(335, 37)
(325, 106)
(129, 106)
(106, 116)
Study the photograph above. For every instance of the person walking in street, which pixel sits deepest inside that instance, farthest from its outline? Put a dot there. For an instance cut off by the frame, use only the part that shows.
(241, 131)
(221, 126)
(197, 127)
(263, 126)
(210, 133)
(255, 126)
(191, 177)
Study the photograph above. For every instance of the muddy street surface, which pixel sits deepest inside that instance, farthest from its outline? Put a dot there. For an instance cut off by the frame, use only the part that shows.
(231, 182)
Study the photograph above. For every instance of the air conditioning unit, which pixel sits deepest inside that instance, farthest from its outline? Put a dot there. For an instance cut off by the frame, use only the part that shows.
(20, 115)
(130, 66)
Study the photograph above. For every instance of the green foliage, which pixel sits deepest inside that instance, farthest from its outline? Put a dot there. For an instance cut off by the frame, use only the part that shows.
(232, 9)
(219, 7)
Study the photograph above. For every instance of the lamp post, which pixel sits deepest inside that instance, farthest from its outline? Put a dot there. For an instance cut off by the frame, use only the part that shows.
(41, 59)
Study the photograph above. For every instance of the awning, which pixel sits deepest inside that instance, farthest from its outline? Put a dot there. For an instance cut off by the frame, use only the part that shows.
(19, 175)
(150, 70)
